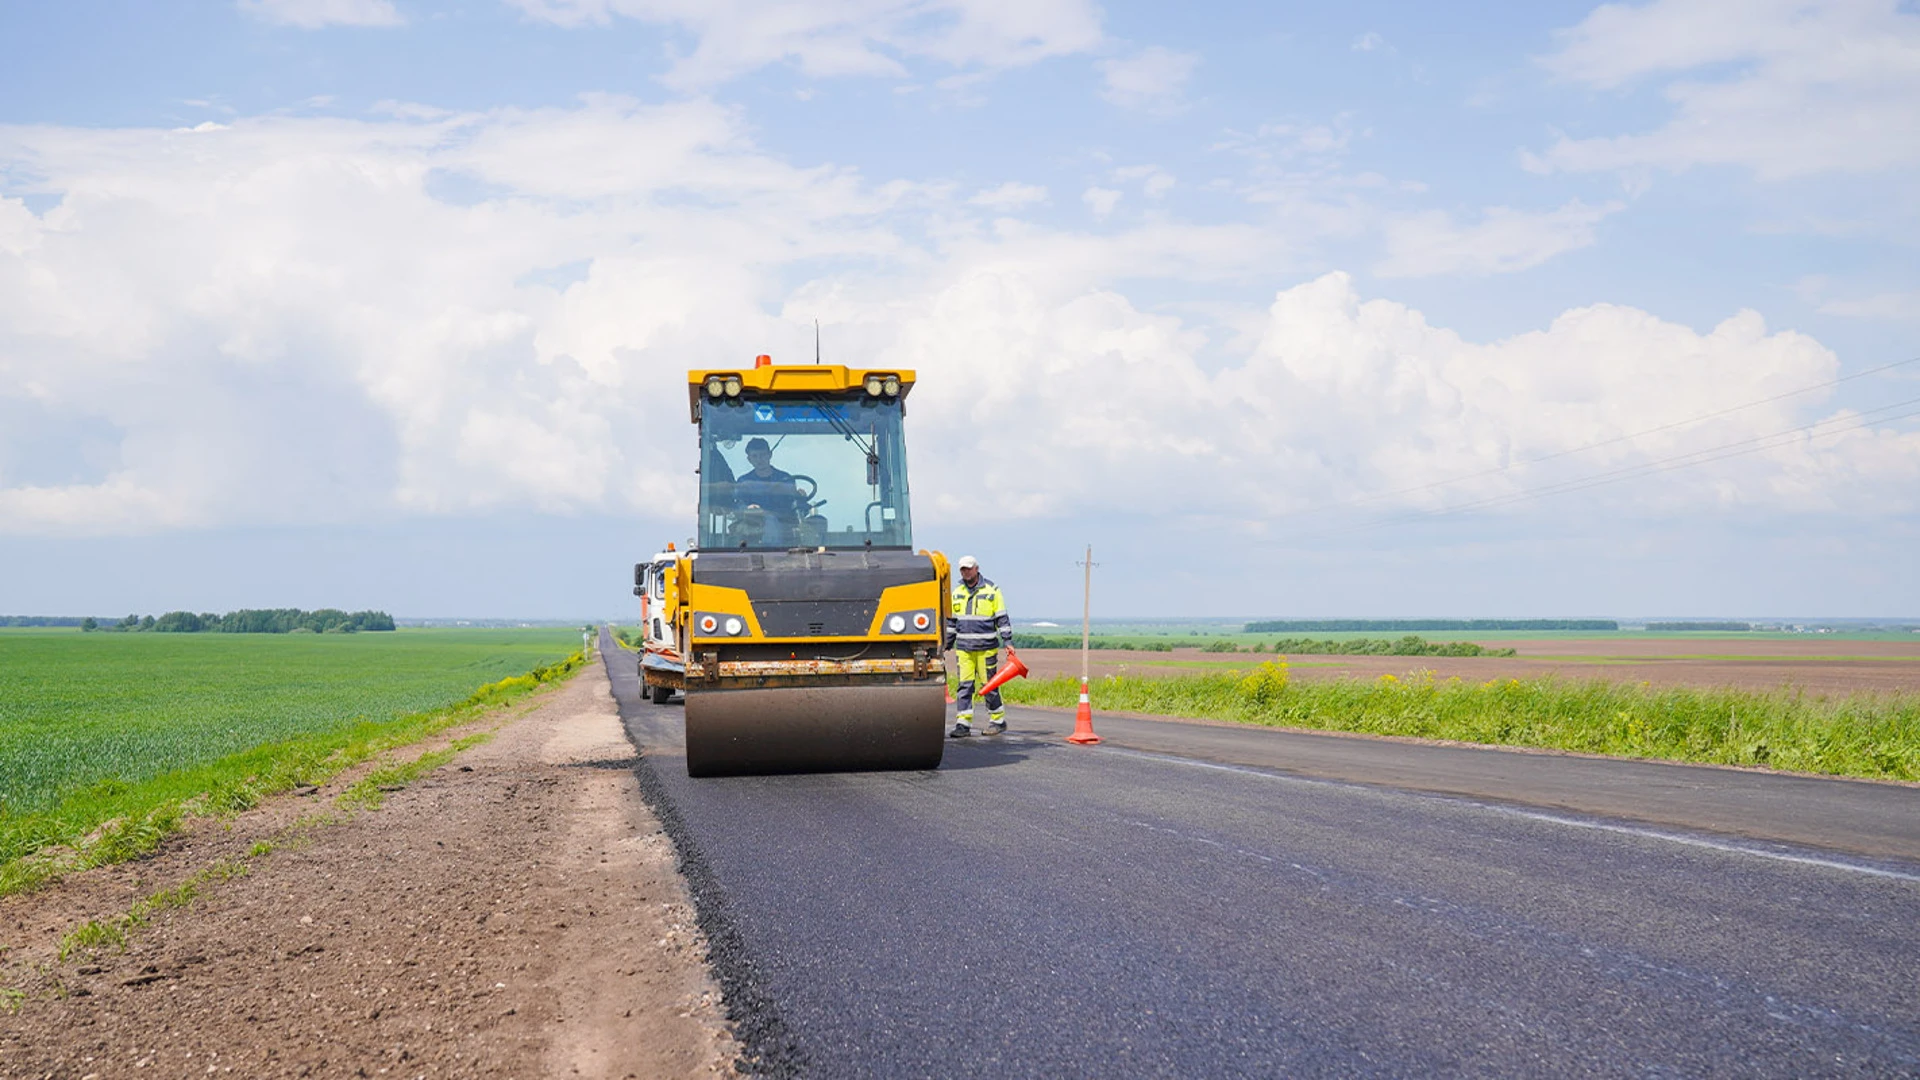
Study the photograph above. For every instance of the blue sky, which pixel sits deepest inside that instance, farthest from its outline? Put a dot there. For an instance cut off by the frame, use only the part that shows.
(1286, 309)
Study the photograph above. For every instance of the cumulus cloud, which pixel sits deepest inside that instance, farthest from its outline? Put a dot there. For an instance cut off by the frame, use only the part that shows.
(1117, 409)
(1153, 180)
(1152, 78)
(1502, 241)
(1783, 87)
(314, 14)
(826, 39)
(1100, 200)
(1010, 196)
(294, 320)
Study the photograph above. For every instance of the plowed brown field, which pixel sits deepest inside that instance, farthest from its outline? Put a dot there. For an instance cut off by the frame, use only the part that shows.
(1815, 665)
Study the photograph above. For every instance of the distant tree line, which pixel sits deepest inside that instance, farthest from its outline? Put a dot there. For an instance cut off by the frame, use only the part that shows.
(1410, 645)
(1327, 626)
(250, 621)
(40, 620)
(1063, 641)
(1707, 625)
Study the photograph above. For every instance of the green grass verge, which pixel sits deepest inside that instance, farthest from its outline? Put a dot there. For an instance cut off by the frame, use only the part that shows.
(106, 824)
(367, 794)
(1865, 735)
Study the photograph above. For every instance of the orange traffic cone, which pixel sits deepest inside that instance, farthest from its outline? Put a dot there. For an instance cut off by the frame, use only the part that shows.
(949, 688)
(1014, 670)
(1083, 721)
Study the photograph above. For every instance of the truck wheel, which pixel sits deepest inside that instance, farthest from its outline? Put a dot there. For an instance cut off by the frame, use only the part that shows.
(660, 694)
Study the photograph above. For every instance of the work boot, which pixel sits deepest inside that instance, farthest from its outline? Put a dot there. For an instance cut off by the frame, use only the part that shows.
(960, 731)
(996, 727)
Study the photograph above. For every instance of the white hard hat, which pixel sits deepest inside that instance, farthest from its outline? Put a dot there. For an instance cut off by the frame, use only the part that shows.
(968, 562)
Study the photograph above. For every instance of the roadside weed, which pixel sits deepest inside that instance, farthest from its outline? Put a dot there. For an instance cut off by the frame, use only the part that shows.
(1866, 735)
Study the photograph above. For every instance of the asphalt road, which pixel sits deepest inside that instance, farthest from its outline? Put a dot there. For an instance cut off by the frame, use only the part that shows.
(1038, 909)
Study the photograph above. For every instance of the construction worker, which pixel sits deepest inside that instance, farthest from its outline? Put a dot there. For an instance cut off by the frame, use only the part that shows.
(975, 632)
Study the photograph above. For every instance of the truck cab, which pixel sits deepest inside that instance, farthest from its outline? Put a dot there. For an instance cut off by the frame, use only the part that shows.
(662, 665)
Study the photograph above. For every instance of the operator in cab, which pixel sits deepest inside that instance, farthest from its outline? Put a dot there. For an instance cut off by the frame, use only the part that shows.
(978, 627)
(768, 489)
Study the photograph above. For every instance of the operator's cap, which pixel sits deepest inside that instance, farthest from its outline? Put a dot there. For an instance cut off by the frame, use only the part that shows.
(968, 562)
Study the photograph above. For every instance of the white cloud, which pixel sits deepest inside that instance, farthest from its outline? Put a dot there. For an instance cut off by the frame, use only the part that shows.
(1344, 396)
(1010, 196)
(1897, 306)
(314, 14)
(1154, 181)
(1413, 404)
(1502, 241)
(1152, 78)
(291, 320)
(1100, 200)
(1783, 87)
(1369, 42)
(860, 37)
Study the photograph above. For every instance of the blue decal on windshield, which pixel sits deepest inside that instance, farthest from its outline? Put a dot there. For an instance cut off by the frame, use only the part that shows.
(796, 413)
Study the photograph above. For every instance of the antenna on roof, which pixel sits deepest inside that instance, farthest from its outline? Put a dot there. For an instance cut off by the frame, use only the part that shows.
(816, 341)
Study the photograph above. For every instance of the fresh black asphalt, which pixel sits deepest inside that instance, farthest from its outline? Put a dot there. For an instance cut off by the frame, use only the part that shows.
(1038, 909)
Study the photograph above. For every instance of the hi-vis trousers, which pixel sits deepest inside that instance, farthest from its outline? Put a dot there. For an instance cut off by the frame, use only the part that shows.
(976, 669)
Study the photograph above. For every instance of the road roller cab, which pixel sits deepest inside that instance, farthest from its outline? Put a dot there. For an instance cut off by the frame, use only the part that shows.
(809, 626)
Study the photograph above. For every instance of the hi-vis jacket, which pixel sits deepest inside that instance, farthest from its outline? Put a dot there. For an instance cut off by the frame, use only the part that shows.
(979, 614)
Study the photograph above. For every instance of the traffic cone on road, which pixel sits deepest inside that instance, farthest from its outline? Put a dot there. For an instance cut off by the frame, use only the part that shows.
(1083, 720)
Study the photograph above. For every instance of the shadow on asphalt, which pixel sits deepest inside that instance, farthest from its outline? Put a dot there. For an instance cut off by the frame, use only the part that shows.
(985, 752)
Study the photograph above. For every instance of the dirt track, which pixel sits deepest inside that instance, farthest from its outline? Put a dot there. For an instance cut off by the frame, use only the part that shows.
(515, 913)
(1815, 665)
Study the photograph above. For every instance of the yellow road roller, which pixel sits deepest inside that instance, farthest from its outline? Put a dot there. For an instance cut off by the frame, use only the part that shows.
(808, 627)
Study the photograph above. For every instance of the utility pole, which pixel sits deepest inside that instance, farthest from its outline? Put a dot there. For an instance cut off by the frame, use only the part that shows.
(1086, 613)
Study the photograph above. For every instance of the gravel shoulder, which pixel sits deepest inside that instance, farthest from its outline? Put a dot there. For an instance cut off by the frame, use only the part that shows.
(516, 912)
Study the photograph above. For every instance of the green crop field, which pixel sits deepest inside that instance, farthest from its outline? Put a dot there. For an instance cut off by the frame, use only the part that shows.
(99, 713)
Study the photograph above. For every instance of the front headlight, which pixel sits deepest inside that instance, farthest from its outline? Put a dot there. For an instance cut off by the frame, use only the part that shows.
(716, 386)
(902, 622)
(735, 626)
(875, 386)
(733, 386)
(891, 385)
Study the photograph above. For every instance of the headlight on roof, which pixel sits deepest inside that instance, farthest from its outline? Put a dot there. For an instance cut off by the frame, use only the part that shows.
(716, 386)
(892, 385)
(875, 386)
(733, 386)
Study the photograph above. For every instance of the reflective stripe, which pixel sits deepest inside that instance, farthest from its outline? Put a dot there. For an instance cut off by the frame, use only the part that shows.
(979, 620)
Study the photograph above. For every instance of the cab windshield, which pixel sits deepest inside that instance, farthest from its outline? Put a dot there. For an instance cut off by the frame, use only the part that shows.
(821, 471)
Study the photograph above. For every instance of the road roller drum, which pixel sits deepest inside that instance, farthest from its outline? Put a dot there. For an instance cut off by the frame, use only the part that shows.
(815, 729)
